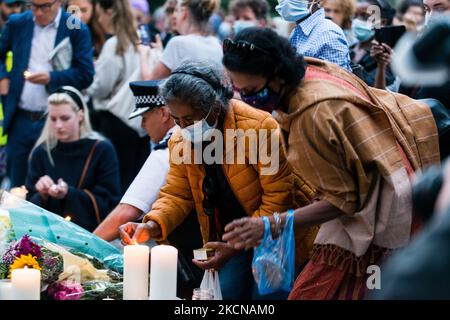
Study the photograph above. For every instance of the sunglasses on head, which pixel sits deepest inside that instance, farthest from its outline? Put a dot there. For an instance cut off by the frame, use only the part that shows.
(244, 48)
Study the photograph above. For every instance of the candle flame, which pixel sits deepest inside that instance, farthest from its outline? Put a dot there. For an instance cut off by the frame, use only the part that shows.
(68, 218)
(134, 242)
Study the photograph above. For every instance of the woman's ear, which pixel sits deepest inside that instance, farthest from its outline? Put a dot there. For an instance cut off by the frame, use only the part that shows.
(184, 12)
(81, 116)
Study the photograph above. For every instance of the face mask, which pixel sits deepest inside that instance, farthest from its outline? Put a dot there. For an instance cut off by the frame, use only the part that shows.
(293, 10)
(265, 99)
(199, 131)
(362, 30)
(224, 30)
(434, 18)
(240, 25)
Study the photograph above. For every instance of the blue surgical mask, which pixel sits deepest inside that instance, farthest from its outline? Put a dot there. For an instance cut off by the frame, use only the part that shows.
(240, 25)
(224, 30)
(362, 30)
(265, 99)
(200, 131)
(293, 10)
(435, 17)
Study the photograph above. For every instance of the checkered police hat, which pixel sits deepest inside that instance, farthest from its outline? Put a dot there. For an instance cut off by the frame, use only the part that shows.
(146, 96)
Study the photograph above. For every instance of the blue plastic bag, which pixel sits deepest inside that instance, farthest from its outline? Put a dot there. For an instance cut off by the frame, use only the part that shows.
(273, 260)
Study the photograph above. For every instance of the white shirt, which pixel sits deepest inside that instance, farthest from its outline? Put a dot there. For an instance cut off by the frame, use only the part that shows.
(145, 187)
(34, 96)
(190, 47)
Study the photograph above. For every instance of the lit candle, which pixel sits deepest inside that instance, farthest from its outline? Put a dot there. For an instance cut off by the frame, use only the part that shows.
(135, 272)
(5, 290)
(163, 273)
(26, 284)
(68, 218)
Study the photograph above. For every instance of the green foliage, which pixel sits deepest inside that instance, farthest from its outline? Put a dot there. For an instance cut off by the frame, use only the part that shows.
(3, 270)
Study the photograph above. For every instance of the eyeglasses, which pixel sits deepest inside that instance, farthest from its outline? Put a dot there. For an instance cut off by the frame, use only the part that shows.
(243, 48)
(43, 7)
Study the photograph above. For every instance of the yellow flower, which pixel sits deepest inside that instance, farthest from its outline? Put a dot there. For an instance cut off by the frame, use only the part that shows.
(24, 261)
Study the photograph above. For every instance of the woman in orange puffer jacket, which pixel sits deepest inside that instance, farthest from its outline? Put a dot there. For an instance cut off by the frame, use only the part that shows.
(213, 171)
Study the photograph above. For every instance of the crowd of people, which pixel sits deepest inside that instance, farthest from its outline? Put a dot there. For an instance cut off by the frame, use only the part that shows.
(109, 114)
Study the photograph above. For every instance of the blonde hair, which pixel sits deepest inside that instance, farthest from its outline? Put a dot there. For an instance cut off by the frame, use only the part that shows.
(200, 11)
(348, 8)
(48, 138)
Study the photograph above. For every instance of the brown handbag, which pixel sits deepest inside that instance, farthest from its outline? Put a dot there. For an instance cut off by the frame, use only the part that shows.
(83, 177)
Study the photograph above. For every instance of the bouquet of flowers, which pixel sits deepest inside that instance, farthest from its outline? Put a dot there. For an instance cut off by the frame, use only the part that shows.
(26, 253)
(83, 268)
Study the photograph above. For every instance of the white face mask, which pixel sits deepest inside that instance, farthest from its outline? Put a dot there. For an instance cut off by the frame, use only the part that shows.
(293, 10)
(200, 131)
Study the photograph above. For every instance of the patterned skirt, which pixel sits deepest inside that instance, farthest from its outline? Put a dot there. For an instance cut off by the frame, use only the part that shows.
(334, 273)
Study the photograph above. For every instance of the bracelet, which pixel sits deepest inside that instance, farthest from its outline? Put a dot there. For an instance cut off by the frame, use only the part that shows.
(277, 222)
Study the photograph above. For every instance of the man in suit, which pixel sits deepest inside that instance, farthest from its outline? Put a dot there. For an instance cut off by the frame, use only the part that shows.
(32, 36)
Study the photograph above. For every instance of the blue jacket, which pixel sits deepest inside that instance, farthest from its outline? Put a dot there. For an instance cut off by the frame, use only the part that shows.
(17, 37)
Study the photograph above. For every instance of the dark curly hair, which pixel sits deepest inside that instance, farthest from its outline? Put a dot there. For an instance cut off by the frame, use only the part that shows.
(280, 58)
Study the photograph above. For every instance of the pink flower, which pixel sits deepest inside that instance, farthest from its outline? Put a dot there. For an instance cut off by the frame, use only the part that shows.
(66, 290)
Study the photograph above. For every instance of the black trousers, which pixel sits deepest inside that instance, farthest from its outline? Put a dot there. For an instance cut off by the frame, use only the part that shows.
(131, 149)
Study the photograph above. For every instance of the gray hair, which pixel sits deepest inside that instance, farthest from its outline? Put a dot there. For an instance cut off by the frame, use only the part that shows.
(200, 85)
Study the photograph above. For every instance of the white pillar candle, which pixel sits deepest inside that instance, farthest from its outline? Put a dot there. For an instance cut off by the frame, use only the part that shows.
(26, 284)
(5, 290)
(163, 273)
(135, 272)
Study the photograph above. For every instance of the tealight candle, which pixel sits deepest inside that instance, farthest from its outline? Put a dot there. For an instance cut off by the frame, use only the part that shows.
(135, 272)
(163, 273)
(26, 284)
